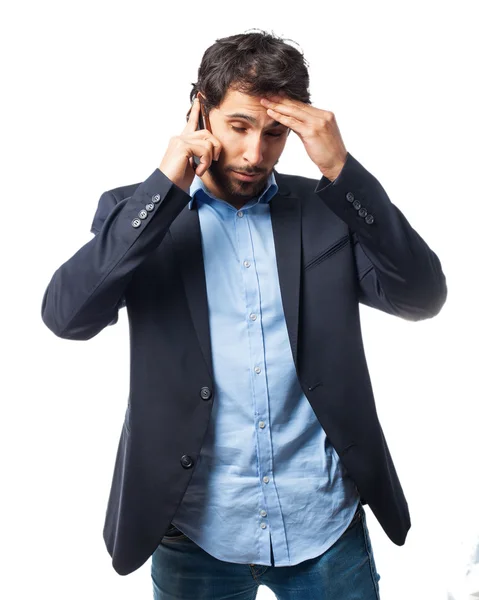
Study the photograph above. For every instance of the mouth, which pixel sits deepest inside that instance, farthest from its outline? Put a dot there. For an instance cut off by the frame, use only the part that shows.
(245, 177)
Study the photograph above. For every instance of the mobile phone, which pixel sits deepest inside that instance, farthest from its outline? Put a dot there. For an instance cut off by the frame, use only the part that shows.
(201, 120)
(203, 123)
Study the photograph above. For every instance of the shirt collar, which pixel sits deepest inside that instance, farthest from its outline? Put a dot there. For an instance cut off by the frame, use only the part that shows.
(197, 184)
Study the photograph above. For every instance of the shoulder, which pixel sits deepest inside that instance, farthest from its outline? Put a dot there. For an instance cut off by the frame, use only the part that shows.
(298, 184)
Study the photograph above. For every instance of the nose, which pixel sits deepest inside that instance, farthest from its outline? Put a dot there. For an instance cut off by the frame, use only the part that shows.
(253, 153)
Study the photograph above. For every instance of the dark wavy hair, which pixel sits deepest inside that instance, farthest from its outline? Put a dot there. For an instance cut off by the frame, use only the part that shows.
(257, 64)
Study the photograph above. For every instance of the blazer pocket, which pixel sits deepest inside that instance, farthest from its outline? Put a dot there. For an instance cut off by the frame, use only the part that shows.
(333, 249)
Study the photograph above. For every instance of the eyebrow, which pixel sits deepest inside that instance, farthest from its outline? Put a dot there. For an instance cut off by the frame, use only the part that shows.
(252, 120)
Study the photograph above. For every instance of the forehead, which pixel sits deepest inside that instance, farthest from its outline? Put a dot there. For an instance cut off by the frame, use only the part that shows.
(238, 103)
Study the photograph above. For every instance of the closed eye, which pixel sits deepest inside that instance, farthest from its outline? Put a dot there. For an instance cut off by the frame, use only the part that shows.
(244, 129)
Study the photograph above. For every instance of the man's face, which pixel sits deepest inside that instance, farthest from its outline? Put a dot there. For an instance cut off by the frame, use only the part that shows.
(251, 144)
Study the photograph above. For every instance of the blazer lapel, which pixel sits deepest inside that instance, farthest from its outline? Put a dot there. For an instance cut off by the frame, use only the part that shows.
(186, 233)
(286, 222)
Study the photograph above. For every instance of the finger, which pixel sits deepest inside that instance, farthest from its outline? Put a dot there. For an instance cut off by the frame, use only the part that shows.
(206, 136)
(192, 124)
(299, 127)
(201, 169)
(204, 150)
(275, 103)
(291, 110)
(217, 147)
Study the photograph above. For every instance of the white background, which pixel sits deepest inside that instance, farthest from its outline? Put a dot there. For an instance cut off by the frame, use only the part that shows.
(92, 92)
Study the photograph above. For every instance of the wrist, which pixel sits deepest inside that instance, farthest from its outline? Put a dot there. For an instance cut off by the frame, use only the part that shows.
(335, 171)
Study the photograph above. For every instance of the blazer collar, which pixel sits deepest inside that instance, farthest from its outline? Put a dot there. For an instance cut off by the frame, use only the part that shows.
(197, 184)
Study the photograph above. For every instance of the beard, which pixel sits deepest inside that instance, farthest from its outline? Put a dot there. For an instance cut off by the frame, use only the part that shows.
(234, 189)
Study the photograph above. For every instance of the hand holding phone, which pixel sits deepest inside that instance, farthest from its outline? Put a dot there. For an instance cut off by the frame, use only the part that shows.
(203, 123)
(178, 163)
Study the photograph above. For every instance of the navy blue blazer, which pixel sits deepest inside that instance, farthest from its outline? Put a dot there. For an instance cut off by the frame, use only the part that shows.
(337, 245)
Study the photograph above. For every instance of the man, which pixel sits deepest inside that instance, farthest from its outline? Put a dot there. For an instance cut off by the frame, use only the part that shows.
(251, 438)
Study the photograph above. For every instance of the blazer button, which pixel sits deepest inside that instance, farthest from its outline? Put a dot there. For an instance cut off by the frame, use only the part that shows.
(205, 393)
(156, 198)
(350, 197)
(186, 461)
(362, 212)
(369, 219)
(357, 204)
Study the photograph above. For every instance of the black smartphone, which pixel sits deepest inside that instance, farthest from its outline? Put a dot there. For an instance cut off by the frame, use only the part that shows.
(203, 123)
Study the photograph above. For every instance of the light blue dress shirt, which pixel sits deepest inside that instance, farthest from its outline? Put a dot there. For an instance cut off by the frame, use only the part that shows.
(268, 488)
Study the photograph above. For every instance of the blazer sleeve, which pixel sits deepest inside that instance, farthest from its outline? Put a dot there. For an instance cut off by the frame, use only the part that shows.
(86, 292)
(106, 204)
(397, 271)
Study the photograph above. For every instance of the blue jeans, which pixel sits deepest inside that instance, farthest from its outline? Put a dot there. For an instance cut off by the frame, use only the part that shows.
(181, 570)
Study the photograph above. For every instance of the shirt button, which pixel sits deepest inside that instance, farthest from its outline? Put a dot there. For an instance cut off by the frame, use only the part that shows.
(257, 370)
(263, 513)
(266, 479)
(240, 214)
(261, 424)
(263, 525)
(252, 317)
(247, 264)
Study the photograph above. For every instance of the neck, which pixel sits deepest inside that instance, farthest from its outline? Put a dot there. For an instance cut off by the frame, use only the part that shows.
(235, 201)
